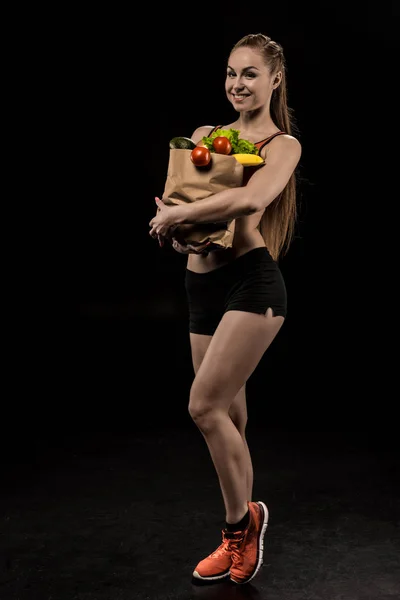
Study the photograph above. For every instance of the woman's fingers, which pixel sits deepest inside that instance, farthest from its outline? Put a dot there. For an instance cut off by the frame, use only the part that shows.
(177, 246)
(184, 248)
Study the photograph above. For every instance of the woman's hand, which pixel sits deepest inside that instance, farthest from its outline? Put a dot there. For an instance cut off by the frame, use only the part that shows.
(183, 249)
(161, 239)
(188, 248)
(164, 222)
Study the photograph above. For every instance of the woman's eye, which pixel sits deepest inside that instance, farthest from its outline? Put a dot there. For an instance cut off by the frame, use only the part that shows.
(251, 75)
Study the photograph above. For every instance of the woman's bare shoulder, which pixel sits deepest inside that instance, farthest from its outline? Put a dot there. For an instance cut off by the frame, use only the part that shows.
(201, 132)
(282, 144)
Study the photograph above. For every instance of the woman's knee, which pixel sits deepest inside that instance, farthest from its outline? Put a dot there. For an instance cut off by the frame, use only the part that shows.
(205, 416)
(206, 402)
(199, 407)
(204, 409)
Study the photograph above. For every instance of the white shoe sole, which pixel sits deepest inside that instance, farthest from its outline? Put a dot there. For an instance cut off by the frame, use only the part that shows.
(213, 578)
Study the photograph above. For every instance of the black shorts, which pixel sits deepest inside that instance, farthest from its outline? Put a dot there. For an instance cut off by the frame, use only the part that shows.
(252, 282)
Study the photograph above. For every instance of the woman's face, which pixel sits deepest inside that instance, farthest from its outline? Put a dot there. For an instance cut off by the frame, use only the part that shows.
(248, 83)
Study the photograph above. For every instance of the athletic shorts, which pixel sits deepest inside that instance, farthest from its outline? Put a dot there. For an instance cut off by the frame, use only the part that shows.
(252, 283)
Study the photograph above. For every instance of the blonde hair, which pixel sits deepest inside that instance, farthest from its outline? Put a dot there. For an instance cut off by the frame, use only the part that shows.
(277, 225)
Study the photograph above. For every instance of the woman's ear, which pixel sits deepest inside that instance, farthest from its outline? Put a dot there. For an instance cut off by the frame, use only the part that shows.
(277, 79)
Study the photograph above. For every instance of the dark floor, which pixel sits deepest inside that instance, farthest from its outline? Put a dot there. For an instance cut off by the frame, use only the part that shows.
(127, 516)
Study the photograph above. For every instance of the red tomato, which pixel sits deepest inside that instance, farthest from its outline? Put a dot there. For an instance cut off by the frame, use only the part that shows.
(200, 156)
(222, 145)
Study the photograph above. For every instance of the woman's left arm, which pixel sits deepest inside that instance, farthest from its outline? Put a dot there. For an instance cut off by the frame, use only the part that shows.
(263, 187)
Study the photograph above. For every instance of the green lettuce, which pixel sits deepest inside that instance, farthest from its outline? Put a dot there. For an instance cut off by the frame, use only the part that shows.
(239, 146)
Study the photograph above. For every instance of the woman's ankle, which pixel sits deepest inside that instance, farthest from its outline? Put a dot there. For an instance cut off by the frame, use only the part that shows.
(238, 521)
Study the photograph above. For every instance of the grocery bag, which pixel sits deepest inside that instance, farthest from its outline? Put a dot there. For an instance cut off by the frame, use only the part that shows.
(186, 183)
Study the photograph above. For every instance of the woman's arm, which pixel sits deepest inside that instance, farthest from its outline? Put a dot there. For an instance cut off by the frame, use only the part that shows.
(264, 186)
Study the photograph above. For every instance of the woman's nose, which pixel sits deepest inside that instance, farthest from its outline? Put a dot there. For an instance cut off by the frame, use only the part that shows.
(237, 84)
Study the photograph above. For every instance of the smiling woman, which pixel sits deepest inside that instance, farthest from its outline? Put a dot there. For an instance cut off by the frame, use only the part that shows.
(246, 81)
(237, 296)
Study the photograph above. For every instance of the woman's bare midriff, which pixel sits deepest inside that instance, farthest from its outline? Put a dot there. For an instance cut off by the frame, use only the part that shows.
(246, 237)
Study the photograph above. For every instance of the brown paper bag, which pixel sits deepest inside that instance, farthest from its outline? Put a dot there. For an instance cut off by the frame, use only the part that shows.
(187, 183)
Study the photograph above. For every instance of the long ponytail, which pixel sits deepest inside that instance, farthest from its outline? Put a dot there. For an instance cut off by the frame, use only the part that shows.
(277, 225)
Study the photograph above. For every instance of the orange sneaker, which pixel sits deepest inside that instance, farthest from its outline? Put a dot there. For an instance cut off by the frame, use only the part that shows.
(247, 547)
(217, 564)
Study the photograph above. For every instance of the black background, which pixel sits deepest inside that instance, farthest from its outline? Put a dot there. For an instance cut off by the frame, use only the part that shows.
(108, 489)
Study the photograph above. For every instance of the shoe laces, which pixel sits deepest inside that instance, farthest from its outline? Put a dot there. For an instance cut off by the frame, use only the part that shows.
(224, 547)
(235, 546)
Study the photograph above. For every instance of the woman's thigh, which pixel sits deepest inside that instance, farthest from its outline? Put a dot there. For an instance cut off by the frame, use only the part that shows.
(232, 355)
(199, 344)
(238, 410)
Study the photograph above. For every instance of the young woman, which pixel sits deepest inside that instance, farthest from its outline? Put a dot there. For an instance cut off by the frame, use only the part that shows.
(237, 297)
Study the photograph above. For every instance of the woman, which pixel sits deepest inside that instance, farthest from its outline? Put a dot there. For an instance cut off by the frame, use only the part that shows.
(237, 297)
